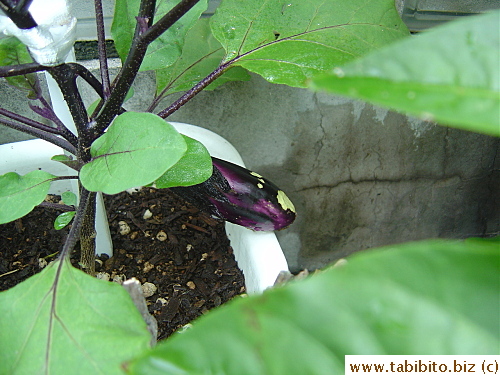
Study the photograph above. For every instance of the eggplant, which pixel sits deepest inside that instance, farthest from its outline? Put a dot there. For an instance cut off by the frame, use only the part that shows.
(240, 196)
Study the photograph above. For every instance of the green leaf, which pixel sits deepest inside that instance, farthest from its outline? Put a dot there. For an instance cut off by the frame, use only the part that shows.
(63, 321)
(449, 74)
(201, 55)
(63, 219)
(289, 42)
(429, 297)
(135, 151)
(69, 198)
(165, 50)
(67, 160)
(20, 194)
(193, 168)
(13, 52)
(61, 158)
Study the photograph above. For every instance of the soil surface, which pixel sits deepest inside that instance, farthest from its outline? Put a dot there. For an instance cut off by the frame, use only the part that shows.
(169, 243)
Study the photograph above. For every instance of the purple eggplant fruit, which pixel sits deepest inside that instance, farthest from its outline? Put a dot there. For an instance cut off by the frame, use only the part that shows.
(240, 196)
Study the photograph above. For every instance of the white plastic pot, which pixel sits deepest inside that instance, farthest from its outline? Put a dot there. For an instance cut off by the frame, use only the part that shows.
(258, 254)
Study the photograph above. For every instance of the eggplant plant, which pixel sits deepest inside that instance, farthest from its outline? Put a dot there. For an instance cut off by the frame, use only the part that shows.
(114, 150)
(286, 42)
(109, 139)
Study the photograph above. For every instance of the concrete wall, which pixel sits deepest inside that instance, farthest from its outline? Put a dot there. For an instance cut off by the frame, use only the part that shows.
(360, 176)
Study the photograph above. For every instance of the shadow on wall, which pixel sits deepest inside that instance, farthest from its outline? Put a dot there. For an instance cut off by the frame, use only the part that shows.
(375, 177)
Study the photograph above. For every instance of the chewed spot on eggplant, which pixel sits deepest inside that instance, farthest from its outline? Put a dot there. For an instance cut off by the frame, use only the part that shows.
(242, 197)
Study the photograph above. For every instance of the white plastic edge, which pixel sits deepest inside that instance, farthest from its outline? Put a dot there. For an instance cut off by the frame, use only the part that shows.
(49, 42)
(258, 254)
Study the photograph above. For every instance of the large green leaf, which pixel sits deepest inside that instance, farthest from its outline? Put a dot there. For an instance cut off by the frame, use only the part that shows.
(193, 168)
(201, 55)
(136, 150)
(288, 42)
(167, 48)
(430, 297)
(63, 321)
(20, 194)
(13, 52)
(449, 74)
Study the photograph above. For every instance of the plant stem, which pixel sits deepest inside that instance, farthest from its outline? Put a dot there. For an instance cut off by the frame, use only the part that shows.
(77, 224)
(42, 134)
(87, 237)
(57, 206)
(122, 83)
(65, 76)
(168, 20)
(101, 45)
(21, 69)
(63, 130)
(87, 75)
(162, 95)
(29, 122)
(195, 90)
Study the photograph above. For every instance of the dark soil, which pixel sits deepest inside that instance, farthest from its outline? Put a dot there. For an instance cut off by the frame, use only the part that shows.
(193, 266)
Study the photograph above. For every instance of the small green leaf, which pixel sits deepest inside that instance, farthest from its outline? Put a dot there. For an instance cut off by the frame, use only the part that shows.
(414, 298)
(69, 198)
(13, 52)
(289, 42)
(201, 55)
(449, 74)
(193, 168)
(63, 321)
(67, 160)
(20, 194)
(63, 219)
(165, 50)
(136, 150)
(61, 158)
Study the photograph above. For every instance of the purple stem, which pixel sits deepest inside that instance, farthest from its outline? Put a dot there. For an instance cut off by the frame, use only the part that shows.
(195, 90)
(57, 206)
(87, 75)
(49, 137)
(17, 70)
(162, 95)
(63, 130)
(74, 232)
(29, 122)
(123, 81)
(65, 76)
(101, 45)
